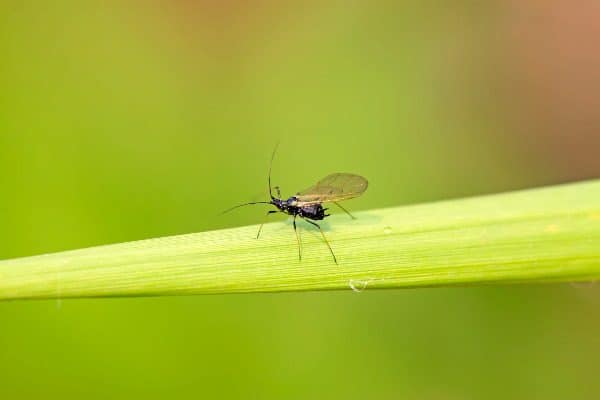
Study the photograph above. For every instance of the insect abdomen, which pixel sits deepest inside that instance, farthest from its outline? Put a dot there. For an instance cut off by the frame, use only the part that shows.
(313, 211)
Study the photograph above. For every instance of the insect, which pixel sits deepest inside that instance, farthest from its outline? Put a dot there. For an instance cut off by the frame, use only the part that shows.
(308, 204)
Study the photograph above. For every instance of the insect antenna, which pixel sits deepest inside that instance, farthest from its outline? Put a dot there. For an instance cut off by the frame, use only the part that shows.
(269, 181)
(245, 204)
(270, 168)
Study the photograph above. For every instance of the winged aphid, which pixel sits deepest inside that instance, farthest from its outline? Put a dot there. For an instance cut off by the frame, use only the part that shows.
(308, 204)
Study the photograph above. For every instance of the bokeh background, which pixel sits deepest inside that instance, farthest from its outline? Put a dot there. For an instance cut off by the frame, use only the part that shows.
(136, 119)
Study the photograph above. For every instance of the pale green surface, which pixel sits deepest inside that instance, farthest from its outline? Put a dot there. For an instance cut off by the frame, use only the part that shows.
(550, 234)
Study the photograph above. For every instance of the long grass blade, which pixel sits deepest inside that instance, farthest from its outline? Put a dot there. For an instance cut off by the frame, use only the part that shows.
(540, 235)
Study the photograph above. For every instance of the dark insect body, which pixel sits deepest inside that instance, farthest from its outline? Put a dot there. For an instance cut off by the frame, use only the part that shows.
(315, 212)
(308, 204)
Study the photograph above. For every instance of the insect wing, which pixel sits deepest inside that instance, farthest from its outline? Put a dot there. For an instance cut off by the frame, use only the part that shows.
(334, 187)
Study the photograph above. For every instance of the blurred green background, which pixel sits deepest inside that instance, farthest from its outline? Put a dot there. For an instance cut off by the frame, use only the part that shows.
(129, 120)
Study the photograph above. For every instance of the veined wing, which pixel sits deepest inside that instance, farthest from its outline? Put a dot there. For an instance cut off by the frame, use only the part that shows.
(334, 187)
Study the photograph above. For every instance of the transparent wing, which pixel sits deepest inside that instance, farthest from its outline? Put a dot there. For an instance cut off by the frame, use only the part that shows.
(334, 187)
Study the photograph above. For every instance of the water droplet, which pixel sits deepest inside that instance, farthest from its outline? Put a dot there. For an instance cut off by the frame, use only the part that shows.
(387, 230)
(357, 285)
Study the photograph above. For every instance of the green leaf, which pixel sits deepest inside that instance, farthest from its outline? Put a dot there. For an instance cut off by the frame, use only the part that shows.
(540, 235)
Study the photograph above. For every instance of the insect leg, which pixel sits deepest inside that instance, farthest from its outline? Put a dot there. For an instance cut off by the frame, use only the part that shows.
(324, 238)
(346, 211)
(261, 225)
(298, 239)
